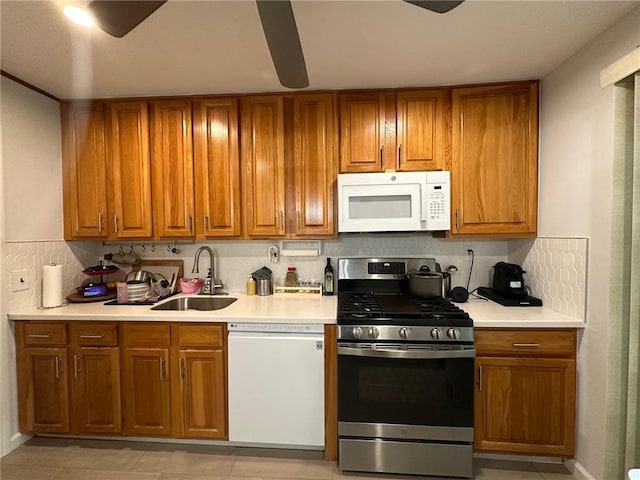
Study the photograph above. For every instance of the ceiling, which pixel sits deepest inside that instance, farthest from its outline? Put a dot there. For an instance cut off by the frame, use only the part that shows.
(196, 47)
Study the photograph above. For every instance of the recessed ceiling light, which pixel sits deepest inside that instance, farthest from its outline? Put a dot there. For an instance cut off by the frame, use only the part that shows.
(78, 15)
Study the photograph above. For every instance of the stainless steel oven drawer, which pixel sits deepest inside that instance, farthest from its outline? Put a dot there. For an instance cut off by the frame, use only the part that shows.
(414, 458)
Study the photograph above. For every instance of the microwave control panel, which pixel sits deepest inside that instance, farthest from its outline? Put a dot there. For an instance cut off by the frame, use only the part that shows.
(436, 211)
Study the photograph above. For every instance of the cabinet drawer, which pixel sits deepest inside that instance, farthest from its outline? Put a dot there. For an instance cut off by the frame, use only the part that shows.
(190, 336)
(145, 335)
(527, 342)
(94, 335)
(45, 334)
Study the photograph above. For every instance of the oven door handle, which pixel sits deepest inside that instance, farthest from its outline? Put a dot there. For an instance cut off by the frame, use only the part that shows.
(382, 353)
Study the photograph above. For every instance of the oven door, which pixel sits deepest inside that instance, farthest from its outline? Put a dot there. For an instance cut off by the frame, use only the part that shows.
(421, 386)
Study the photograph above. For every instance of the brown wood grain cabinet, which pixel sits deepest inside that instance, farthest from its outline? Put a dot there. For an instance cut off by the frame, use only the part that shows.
(84, 170)
(129, 170)
(96, 399)
(404, 130)
(525, 391)
(201, 386)
(314, 166)
(494, 170)
(217, 167)
(263, 163)
(172, 169)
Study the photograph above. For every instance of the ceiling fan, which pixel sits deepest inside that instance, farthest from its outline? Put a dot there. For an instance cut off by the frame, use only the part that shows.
(118, 18)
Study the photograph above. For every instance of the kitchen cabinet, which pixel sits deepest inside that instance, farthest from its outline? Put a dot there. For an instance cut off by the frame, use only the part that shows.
(314, 166)
(494, 169)
(84, 170)
(401, 131)
(525, 391)
(43, 377)
(129, 170)
(172, 169)
(96, 400)
(146, 379)
(217, 167)
(200, 389)
(263, 165)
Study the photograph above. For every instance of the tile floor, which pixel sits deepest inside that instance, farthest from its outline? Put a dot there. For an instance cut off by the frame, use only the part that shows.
(65, 459)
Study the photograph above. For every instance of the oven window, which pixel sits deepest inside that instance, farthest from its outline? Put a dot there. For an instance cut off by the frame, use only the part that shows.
(437, 392)
(387, 206)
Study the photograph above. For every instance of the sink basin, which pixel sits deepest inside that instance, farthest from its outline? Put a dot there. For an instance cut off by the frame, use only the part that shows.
(196, 303)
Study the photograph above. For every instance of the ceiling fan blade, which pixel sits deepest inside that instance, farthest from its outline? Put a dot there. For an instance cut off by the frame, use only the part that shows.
(280, 30)
(117, 18)
(438, 6)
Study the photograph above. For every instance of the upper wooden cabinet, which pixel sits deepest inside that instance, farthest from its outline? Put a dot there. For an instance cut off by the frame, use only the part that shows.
(263, 165)
(172, 169)
(494, 171)
(403, 131)
(217, 166)
(84, 170)
(130, 170)
(314, 165)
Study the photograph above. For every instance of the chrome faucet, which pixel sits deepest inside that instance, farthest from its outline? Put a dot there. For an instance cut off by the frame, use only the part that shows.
(210, 283)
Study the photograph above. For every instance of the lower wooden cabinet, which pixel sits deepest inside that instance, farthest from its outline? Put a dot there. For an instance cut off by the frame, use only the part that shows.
(131, 378)
(525, 391)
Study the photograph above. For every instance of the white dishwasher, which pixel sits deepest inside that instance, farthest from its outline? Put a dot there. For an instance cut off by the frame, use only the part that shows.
(276, 384)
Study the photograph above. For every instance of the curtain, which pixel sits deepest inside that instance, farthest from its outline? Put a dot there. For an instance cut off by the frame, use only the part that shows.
(623, 386)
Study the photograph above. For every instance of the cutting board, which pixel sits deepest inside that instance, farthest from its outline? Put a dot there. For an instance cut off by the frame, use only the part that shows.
(169, 268)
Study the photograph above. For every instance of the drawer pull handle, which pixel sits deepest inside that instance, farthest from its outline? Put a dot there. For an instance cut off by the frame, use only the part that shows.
(526, 345)
(40, 335)
(91, 336)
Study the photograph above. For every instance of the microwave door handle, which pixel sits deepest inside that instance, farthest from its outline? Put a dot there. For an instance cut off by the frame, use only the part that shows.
(424, 202)
(415, 354)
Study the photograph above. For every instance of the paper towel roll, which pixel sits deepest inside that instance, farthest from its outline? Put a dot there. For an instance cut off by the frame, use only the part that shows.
(51, 286)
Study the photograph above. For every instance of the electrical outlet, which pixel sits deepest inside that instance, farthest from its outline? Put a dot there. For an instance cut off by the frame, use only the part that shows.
(19, 280)
(274, 254)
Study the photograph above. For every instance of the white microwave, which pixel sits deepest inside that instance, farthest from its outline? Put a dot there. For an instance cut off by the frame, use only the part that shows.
(394, 202)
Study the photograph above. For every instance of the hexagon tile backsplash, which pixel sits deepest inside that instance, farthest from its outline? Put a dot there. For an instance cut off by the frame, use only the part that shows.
(32, 256)
(556, 271)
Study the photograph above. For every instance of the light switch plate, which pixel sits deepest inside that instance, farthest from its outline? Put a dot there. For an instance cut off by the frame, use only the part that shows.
(19, 280)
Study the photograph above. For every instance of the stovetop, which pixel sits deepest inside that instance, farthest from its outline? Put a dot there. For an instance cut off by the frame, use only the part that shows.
(398, 308)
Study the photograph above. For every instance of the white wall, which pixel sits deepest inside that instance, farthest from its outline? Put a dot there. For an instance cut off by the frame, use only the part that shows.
(576, 152)
(30, 209)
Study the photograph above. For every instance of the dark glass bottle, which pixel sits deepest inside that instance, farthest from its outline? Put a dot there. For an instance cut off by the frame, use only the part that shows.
(328, 278)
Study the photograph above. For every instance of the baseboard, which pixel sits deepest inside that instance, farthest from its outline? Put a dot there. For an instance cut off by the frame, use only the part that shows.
(578, 470)
(14, 442)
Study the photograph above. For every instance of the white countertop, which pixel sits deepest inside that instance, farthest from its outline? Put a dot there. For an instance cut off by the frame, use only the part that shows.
(275, 309)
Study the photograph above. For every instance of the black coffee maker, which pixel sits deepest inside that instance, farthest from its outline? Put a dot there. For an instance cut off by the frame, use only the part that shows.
(508, 280)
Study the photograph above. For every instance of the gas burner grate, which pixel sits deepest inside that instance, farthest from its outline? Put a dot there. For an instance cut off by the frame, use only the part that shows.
(358, 305)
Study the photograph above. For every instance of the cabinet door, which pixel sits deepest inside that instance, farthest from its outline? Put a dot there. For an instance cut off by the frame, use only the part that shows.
(130, 170)
(84, 171)
(421, 129)
(494, 174)
(362, 132)
(95, 391)
(172, 161)
(47, 390)
(217, 168)
(314, 162)
(147, 392)
(203, 393)
(263, 165)
(525, 405)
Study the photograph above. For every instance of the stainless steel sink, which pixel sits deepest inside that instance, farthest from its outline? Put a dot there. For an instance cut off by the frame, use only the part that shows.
(196, 303)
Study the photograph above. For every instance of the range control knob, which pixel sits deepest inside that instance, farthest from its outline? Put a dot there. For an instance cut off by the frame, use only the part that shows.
(453, 333)
(403, 332)
(373, 332)
(357, 332)
(436, 333)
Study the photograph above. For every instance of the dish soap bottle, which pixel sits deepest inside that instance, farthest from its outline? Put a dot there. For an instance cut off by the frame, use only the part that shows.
(291, 278)
(251, 286)
(328, 278)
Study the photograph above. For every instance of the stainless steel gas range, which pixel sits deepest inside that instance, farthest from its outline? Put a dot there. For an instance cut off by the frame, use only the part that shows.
(405, 373)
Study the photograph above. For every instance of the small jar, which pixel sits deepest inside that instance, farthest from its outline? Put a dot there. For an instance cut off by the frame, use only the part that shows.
(122, 292)
(251, 286)
(291, 279)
